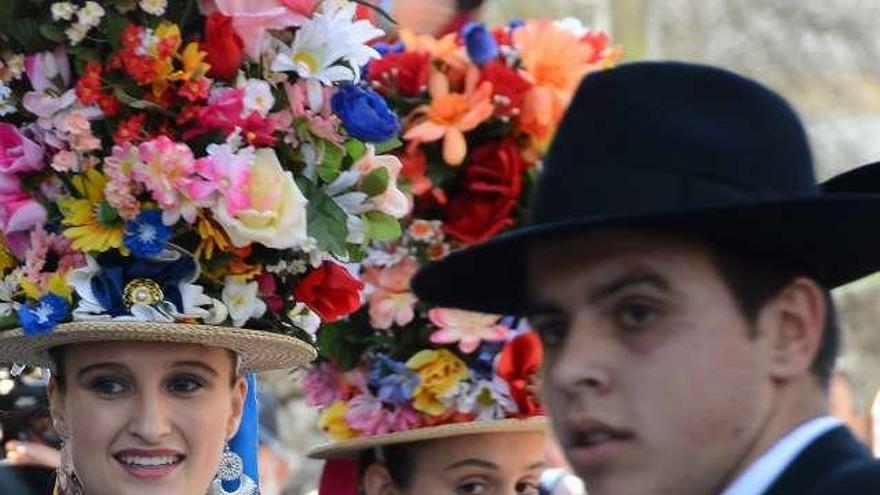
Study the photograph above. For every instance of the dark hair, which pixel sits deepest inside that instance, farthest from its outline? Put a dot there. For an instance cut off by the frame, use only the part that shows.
(398, 459)
(58, 355)
(468, 5)
(755, 277)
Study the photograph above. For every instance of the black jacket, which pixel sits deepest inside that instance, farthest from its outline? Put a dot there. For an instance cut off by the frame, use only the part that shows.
(834, 464)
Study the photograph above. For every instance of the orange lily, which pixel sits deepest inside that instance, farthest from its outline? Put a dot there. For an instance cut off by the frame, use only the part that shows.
(450, 115)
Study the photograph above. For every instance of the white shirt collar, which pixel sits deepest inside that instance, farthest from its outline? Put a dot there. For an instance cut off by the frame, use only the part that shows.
(763, 472)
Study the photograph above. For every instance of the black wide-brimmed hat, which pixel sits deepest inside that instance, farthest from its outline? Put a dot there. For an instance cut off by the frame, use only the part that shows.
(680, 147)
(863, 180)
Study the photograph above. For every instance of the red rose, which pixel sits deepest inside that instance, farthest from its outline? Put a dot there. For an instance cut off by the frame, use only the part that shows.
(474, 217)
(496, 167)
(223, 45)
(506, 82)
(401, 73)
(330, 291)
(519, 364)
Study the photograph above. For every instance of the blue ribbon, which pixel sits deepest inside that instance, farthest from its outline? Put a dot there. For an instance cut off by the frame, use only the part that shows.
(246, 443)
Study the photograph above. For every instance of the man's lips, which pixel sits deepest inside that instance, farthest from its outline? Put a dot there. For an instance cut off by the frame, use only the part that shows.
(589, 443)
(149, 464)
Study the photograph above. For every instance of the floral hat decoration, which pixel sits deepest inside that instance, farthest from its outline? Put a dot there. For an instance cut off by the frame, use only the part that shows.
(478, 109)
(189, 171)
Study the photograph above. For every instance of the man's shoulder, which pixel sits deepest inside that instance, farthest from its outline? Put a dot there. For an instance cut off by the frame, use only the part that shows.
(854, 478)
(835, 463)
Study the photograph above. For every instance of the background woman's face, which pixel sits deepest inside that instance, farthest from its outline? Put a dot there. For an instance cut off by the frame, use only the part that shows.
(146, 418)
(488, 464)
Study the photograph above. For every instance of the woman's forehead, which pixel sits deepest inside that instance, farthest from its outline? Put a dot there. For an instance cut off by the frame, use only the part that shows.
(133, 352)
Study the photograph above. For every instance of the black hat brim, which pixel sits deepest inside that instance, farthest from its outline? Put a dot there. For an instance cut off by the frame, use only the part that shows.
(833, 234)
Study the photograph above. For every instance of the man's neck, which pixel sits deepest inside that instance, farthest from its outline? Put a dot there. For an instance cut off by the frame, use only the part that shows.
(791, 408)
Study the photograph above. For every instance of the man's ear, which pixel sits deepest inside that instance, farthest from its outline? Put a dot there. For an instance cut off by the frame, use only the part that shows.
(56, 407)
(793, 324)
(377, 480)
(239, 394)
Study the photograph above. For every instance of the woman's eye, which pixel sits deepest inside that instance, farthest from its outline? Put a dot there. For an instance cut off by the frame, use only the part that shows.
(184, 385)
(636, 315)
(109, 387)
(472, 488)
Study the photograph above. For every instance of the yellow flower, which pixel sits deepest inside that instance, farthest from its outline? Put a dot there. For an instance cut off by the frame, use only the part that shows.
(332, 421)
(193, 63)
(7, 261)
(439, 371)
(93, 225)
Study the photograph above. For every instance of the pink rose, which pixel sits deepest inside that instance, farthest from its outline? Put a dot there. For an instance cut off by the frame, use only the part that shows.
(19, 214)
(18, 153)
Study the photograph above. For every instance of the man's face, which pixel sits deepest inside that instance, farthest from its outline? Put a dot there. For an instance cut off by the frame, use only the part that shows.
(655, 383)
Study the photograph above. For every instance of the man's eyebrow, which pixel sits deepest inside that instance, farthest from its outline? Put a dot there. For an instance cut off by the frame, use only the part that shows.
(473, 463)
(626, 280)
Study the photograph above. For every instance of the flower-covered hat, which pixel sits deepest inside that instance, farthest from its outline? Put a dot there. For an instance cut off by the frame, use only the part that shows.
(200, 172)
(478, 108)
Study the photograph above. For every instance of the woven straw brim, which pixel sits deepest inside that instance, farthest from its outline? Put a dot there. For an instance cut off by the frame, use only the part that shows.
(354, 446)
(259, 350)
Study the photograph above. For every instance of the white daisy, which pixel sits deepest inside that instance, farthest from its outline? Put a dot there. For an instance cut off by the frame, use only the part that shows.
(242, 301)
(331, 47)
(63, 11)
(154, 7)
(257, 97)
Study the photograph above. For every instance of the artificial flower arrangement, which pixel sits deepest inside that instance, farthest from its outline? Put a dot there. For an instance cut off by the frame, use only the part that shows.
(478, 109)
(211, 161)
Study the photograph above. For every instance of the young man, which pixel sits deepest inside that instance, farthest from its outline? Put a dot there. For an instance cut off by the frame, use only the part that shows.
(678, 266)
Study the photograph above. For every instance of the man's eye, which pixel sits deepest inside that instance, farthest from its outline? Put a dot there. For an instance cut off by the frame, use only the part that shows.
(184, 385)
(636, 315)
(552, 331)
(109, 387)
(526, 488)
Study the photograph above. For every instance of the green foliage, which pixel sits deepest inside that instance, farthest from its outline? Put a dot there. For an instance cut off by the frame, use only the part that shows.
(327, 221)
(331, 160)
(376, 182)
(356, 149)
(381, 227)
(390, 145)
(343, 343)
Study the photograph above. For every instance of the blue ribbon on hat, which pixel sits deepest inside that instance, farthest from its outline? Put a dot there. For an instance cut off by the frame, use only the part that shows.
(246, 443)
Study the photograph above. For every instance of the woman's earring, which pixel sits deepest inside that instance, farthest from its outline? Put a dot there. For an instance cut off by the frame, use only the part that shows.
(231, 471)
(66, 478)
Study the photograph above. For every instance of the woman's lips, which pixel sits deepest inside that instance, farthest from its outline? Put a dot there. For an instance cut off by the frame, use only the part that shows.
(149, 464)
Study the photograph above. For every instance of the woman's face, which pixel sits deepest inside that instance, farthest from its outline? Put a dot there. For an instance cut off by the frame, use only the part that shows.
(487, 464)
(146, 418)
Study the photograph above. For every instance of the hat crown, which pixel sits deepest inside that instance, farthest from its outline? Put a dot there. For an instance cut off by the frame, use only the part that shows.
(655, 137)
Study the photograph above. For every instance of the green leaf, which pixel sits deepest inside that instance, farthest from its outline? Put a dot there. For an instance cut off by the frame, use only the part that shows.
(331, 161)
(7, 11)
(334, 344)
(107, 215)
(27, 33)
(381, 227)
(391, 144)
(115, 25)
(52, 32)
(376, 182)
(8, 322)
(326, 220)
(138, 103)
(356, 149)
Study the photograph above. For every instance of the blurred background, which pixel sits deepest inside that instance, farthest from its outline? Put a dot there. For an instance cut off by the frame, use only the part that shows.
(823, 55)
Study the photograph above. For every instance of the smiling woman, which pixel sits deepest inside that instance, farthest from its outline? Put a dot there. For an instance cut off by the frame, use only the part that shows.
(140, 414)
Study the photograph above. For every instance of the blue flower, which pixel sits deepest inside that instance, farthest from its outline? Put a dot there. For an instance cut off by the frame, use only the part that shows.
(388, 49)
(146, 235)
(394, 381)
(364, 114)
(516, 23)
(483, 367)
(481, 45)
(42, 317)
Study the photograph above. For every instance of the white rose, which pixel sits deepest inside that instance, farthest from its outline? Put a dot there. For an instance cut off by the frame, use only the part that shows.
(277, 214)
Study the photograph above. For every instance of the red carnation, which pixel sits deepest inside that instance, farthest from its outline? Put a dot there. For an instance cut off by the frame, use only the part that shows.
(508, 83)
(401, 73)
(474, 217)
(223, 45)
(519, 364)
(496, 167)
(330, 291)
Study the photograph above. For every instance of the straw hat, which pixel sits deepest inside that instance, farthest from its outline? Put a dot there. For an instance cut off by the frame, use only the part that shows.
(259, 350)
(353, 447)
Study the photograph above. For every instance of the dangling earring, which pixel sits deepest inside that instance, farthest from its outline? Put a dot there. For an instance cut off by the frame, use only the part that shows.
(232, 469)
(67, 481)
